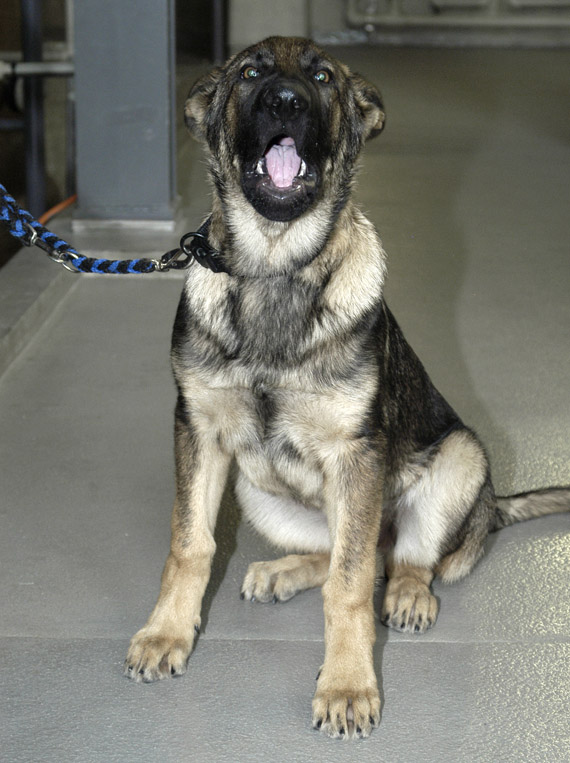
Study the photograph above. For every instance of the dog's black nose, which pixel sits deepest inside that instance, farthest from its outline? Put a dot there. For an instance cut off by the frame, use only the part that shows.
(286, 100)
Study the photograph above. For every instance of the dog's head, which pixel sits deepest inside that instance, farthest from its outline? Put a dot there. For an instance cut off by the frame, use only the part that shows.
(284, 122)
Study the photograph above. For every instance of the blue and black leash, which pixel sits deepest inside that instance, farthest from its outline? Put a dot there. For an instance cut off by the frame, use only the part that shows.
(193, 246)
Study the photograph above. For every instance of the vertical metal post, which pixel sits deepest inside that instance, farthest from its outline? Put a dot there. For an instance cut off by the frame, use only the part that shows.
(33, 108)
(70, 103)
(219, 30)
(70, 138)
(124, 85)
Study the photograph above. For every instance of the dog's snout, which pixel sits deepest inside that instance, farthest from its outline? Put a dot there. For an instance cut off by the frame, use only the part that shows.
(286, 101)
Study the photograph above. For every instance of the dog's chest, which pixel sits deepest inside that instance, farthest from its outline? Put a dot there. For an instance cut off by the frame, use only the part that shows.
(277, 390)
(276, 443)
(272, 318)
(241, 332)
(282, 437)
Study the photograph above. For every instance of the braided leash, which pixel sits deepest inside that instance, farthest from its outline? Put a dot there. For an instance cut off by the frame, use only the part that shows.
(193, 246)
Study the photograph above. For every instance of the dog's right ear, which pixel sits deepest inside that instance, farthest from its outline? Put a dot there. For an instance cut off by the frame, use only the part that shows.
(199, 99)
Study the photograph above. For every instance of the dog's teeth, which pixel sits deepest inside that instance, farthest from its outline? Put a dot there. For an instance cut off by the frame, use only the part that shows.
(259, 168)
(303, 170)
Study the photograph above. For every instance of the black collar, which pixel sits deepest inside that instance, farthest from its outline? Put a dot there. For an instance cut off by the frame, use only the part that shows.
(195, 244)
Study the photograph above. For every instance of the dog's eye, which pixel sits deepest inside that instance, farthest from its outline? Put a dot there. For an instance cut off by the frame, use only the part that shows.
(249, 72)
(323, 76)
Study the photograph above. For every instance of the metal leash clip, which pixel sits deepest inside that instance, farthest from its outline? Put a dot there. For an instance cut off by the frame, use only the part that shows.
(172, 260)
(33, 236)
(62, 258)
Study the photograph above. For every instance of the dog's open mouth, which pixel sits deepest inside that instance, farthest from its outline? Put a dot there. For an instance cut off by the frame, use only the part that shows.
(282, 163)
(280, 184)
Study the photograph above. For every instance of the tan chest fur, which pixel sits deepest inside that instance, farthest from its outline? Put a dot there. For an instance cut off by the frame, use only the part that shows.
(283, 439)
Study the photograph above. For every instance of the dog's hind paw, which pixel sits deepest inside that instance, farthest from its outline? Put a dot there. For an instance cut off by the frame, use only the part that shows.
(264, 582)
(281, 579)
(409, 606)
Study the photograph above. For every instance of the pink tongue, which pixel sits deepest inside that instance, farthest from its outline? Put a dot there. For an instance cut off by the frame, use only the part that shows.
(283, 162)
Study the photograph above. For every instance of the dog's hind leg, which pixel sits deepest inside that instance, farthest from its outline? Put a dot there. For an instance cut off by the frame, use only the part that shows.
(281, 579)
(293, 526)
(408, 604)
(447, 501)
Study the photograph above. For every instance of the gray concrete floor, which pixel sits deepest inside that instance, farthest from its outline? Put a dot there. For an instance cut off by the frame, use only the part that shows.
(469, 188)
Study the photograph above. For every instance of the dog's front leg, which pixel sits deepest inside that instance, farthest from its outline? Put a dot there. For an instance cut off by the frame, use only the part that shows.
(347, 701)
(162, 647)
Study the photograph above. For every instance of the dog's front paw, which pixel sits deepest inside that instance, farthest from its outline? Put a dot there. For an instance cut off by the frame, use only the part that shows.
(409, 606)
(346, 712)
(153, 656)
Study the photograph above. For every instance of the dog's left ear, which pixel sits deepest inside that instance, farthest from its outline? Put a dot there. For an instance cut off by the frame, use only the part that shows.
(199, 100)
(369, 101)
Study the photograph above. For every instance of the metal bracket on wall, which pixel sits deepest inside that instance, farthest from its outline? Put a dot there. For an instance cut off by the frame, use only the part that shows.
(477, 21)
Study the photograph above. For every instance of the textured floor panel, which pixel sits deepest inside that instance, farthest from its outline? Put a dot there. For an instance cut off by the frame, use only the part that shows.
(67, 701)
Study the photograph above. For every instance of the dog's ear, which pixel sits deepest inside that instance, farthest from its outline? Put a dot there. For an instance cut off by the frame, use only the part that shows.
(198, 101)
(369, 102)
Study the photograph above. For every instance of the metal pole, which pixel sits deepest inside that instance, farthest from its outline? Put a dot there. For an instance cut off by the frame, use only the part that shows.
(33, 108)
(124, 80)
(70, 139)
(219, 31)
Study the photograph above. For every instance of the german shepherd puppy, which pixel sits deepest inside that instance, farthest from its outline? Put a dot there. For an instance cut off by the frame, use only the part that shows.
(290, 363)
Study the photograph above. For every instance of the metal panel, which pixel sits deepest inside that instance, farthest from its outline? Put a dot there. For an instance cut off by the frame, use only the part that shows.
(540, 4)
(527, 15)
(124, 62)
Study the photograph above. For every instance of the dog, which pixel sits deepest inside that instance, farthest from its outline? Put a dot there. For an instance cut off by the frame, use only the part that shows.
(289, 363)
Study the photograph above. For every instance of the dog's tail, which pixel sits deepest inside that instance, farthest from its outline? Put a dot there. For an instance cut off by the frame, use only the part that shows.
(507, 511)
(538, 503)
